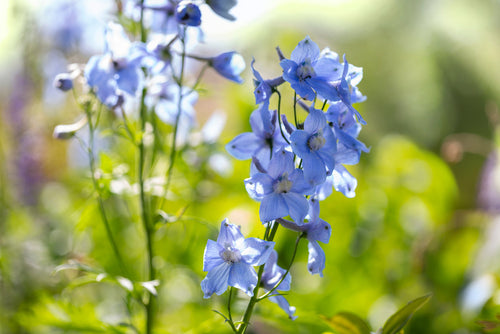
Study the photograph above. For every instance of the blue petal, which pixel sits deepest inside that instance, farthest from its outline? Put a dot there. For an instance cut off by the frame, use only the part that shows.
(315, 121)
(285, 306)
(216, 280)
(325, 189)
(297, 206)
(229, 234)
(299, 184)
(211, 256)
(319, 230)
(316, 260)
(222, 7)
(242, 276)
(314, 169)
(244, 146)
(272, 207)
(328, 69)
(273, 273)
(282, 162)
(299, 139)
(255, 252)
(323, 88)
(229, 65)
(128, 79)
(259, 186)
(306, 49)
(344, 182)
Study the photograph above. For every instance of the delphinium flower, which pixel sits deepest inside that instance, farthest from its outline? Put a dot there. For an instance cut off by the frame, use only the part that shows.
(271, 276)
(280, 189)
(117, 71)
(309, 73)
(264, 139)
(316, 145)
(230, 261)
(229, 65)
(222, 7)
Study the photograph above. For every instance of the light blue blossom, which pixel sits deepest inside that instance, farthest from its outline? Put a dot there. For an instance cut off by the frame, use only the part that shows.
(316, 145)
(229, 261)
(315, 230)
(309, 73)
(265, 136)
(281, 190)
(229, 65)
(188, 14)
(270, 277)
(117, 71)
(63, 81)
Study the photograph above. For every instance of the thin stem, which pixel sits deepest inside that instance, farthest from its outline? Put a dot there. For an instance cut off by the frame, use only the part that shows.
(173, 149)
(295, 109)
(324, 105)
(102, 210)
(230, 317)
(269, 235)
(279, 116)
(267, 294)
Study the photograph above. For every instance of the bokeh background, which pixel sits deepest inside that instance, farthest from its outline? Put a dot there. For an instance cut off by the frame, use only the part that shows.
(424, 219)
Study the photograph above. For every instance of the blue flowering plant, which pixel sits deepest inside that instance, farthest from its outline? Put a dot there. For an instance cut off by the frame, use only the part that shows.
(294, 166)
(141, 91)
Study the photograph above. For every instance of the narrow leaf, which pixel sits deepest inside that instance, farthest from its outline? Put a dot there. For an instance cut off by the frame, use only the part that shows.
(398, 320)
(347, 323)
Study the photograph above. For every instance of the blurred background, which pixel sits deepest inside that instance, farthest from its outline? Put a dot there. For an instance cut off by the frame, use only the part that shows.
(424, 219)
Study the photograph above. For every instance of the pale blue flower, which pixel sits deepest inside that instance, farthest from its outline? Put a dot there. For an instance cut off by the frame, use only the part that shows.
(229, 65)
(281, 190)
(230, 261)
(316, 145)
(270, 277)
(222, 7)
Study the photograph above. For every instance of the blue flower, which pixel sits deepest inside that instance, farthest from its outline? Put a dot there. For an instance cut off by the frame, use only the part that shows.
(63, 81)
(281, 190)
(222, 7)
(164, 98)
(229, 65)
(270, 277)
(265, 136)
(117, 71)
(316, 145)
(315, 230)
(188, 14)
(344, 90)
(308, 72)
(262, 90)
(229, 261)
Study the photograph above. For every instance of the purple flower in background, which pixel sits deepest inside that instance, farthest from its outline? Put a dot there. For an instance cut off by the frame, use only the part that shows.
(281, 190)
(229, 65)
(229, 261)
(316, 145)
(308, 72)
(188, 14)
(270, 277)
(117, 71)
(222, 7)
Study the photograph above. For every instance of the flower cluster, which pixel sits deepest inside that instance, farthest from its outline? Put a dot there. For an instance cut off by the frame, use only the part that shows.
(296, 165)
(156, 63)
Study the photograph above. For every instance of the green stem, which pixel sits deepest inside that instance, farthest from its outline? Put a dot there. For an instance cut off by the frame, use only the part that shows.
(267, 294)
(268, 236)
(279, 117)
(295, 110)
(102, 210)
(230, 317)
(173, 149)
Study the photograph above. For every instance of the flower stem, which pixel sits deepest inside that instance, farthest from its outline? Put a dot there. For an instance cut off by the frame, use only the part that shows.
(279, 116)
(102, 210)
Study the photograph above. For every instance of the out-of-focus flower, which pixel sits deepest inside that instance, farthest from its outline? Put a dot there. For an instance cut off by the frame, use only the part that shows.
(188, 14)
(229, 65)
(222, 7)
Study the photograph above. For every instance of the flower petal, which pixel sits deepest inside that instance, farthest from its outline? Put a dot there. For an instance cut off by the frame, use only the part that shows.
(216, 280)
(211, 256)
(255, 252)
(272, 207)
(317, 259)
(244, 146)
(229, 234)
(297, 206)
(306, 49)
(285, 306)
(243, 276)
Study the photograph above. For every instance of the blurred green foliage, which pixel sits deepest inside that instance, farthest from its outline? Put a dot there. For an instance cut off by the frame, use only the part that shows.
(430, 72)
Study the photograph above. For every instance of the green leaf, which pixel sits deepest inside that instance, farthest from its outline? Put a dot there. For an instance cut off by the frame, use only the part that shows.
(347, 323)
(398, 320)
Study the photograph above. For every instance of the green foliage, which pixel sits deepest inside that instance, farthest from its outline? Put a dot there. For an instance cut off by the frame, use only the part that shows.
(398, 320)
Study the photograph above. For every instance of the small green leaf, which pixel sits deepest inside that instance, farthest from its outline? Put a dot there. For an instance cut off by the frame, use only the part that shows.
(398, 320)
(347, 323)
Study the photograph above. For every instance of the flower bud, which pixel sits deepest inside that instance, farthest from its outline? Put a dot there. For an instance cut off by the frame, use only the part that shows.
(63, 82)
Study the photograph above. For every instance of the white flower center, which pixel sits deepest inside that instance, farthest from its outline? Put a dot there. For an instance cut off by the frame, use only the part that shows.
(231, 255)
(305, 70)
(316, 141)
(283, 184)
